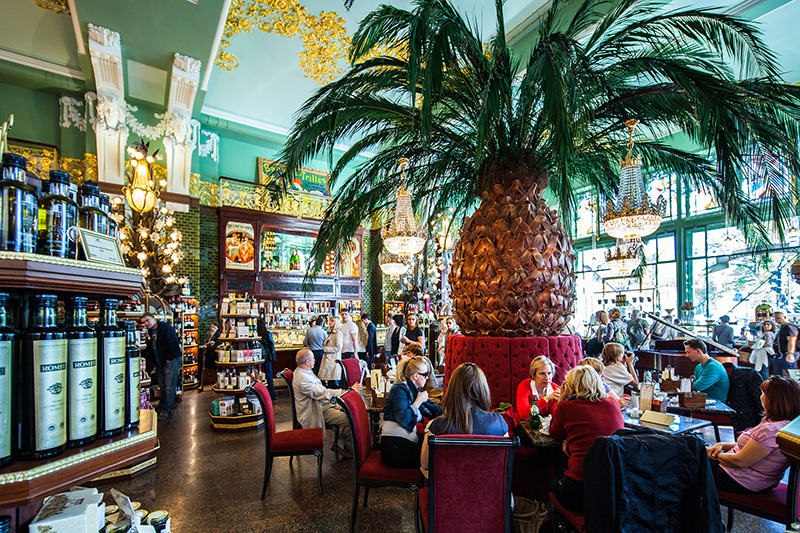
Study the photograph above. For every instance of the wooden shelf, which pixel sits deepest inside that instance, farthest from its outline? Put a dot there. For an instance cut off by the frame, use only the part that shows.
(235, 423)
(227, 391)
(190, 329)
(238, 339)
(240, 363)
(189, 364)
(189, 346)
(239, 316)
(43, 273)
(26, 481)
(191, 385)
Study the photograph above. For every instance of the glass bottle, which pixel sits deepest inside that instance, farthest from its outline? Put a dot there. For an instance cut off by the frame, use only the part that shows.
(17, 207)
(105, 207)
(7, 342)
(90, 216)
(111, 369)
(132, 375)
(57, 214)
(43, 378)
(81, 375)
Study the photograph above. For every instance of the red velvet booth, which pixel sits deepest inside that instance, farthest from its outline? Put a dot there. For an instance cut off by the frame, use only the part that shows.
(506, 361)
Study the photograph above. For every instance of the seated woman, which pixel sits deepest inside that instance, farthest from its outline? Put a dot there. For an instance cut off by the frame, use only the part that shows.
(599, 367)
(406, 404)
(539, 387)
(466, 409)
(754, 463)
(619, 369)
(584, 413)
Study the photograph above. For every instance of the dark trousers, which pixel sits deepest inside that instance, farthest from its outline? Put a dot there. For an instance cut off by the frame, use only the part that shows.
(364, 356)
(168, 375)
(568, 491)
(726, 482)
(348, 355)
(270, 383)
(779, 364)
(318, 354)
(398, 452)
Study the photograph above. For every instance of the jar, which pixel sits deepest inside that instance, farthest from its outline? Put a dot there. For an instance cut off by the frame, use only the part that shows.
(158, 519)
(90, 216)
(105, 207)
(57, 214)
(17, 207)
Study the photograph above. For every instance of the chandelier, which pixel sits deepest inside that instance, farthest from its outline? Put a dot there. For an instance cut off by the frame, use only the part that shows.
(392, 265)
(402, 236)
(624, 258)
(632, 215)
(141, 194)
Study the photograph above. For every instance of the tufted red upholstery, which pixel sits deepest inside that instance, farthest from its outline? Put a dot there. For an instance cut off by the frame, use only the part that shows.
(506, 362)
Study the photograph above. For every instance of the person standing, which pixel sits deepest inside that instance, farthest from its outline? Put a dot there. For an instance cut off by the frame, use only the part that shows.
(398, 333)
(637, 330)
(723, 333)
(328, 369)
(387, 343)
(268, 353)
(763, 349)
(165, 349)
(786, 345)
(709, 375)
(314, 340)
(413, 333)
(349, 336)
(209, 359)
(372, 340)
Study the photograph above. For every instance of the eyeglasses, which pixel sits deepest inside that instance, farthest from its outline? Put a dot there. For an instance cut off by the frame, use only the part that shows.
(424, 374)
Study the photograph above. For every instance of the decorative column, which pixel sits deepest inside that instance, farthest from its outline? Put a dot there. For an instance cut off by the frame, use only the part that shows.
(110, 128)
(178, 135)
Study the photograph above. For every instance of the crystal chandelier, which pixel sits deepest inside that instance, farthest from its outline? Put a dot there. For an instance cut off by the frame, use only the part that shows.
(632, 215)
(624, 258)
(402, 236)
(141, 194)
(392, 265)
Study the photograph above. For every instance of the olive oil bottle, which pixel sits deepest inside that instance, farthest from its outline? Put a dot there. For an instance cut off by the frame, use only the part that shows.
(81, 375)
(111, 367)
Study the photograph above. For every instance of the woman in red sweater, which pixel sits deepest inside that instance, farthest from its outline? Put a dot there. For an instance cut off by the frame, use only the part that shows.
(585, 412)
(539, 387)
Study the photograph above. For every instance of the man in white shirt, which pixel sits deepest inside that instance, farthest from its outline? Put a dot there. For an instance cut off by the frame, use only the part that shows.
(349, 333)
(312, 401)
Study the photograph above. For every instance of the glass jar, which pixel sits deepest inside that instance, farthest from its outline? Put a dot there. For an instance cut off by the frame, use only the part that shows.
(57, 214)
(105, 206)
(90, 216)
(17, 207)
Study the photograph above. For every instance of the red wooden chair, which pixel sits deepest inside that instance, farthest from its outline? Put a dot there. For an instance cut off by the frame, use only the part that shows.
(368, 469)
(351, 371)
(778, 504)
(575, 518)
(285, 443)
(288, 376)
(457, 465)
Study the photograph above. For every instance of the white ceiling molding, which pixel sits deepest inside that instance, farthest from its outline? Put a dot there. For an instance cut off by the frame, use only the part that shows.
(223, 17)
(178, 139)
(76, 27)
(38, 64)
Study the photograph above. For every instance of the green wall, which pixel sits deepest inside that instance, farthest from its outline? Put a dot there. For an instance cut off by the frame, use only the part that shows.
(35, 114)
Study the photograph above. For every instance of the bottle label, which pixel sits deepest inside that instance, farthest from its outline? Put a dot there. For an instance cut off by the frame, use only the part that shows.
(114, 361)
(133, 389)
(5, 398)
(50, 394)
(82, 390)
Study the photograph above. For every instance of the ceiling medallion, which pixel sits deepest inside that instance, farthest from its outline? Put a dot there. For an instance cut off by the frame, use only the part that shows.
(402, 236)
(325, 42)
(632, 215)
(59, 6)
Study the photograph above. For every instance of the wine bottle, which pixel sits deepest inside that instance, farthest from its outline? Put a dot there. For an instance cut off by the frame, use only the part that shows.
(81, 376)
(132, 375)
(43, 376)
(111, 369)
(7, 343)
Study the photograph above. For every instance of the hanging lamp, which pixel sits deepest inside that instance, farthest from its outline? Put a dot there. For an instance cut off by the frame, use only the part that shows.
(624, 258)
(141, 194)
(402, 236)
(392, 265)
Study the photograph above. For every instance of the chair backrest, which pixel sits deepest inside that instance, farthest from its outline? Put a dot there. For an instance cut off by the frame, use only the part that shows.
(351, 371)
(792, 492)
(288, 377)
(457, 466)
(262, 393)
(358, 419)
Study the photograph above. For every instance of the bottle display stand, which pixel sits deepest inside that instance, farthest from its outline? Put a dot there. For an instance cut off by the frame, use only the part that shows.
(186, 316)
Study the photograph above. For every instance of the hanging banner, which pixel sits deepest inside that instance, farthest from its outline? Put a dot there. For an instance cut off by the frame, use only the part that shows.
(239, 246)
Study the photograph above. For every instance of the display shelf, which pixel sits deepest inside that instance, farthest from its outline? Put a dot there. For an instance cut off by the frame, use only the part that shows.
(189, 364)
(190, 329)
(235, 423)
(238, 339)
(227, 391)
(145, 383)
(26, 481)
(191, 385)
(189, 345)
(43, 273)
(240, 363)
(240, 315)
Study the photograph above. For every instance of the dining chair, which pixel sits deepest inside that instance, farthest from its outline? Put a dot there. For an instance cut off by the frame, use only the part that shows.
(351, 371)
(368, 468)
(576, 518)
(285, 443)
(287, 375)
(457, 464)
(778, 504)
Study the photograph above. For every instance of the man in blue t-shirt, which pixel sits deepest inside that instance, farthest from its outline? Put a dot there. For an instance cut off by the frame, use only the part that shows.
(709, 375)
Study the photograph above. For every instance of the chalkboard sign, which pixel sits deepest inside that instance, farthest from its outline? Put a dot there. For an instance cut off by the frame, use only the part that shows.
(305, 180)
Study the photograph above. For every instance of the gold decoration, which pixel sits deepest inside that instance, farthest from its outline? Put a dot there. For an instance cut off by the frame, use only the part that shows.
(59, 6)
(40, 159)
(140, 192)
(4, 133)
(325, 42)
(22, 256)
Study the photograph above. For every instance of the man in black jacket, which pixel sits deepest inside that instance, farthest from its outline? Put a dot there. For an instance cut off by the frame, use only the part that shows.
(165, 349)
(372, 339)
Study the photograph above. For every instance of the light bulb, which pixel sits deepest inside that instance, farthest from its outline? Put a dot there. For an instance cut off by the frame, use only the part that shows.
(164, 210)
(166, 268)
(141, 256)
(150, 159)
(162, 182)
(181, 280)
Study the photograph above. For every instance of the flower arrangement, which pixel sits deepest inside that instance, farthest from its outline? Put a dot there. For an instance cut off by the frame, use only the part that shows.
(687, 306)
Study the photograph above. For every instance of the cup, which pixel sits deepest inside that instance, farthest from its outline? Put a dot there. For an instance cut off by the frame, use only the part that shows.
(635, 401)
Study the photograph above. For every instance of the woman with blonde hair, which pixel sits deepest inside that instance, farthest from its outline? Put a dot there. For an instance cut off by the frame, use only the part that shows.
(538, 388)
(332, 349)
(466, 409)
(584, 413)
(619, 369)
(406, 405)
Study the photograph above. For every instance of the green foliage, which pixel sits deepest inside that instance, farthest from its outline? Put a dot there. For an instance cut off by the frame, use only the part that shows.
(463, 115)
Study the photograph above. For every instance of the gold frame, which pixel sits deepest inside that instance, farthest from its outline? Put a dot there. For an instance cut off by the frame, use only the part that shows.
(91, 253)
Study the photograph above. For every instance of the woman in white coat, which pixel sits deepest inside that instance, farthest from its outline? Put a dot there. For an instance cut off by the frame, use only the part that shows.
(329, 370)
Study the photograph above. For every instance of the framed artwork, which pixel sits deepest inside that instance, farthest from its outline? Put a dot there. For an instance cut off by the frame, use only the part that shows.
(239, 246)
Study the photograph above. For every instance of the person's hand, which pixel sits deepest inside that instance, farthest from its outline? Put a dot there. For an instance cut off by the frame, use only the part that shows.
(564, 448)
(715, 450)
(624, 401)
(555, 395)
(357, 387)
(405, 340)
(422, 397)
(629, 358)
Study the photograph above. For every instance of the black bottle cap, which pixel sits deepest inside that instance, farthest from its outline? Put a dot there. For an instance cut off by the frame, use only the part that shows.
(78, 302)
(44, 300)
(109, 304)
(59, 176)
(14, 160)
(90, 189)
(45, 187)
(128, 325)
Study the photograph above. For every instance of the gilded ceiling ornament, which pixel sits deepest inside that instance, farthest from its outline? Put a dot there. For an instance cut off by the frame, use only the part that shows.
(325, 42)
(59, 6)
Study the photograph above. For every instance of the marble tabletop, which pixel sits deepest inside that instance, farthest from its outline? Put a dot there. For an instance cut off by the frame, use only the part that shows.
(682, 424)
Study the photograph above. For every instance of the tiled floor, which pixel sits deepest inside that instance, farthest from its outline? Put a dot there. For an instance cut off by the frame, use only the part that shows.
(211, 482)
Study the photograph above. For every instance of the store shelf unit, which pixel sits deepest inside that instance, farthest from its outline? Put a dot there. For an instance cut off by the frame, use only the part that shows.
(25, 483)
(186, 322)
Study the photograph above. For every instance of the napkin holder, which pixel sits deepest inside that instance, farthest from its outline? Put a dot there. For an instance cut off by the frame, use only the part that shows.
(692, 399)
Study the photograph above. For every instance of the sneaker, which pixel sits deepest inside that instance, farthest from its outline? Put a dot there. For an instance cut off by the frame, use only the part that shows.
(164, 415)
